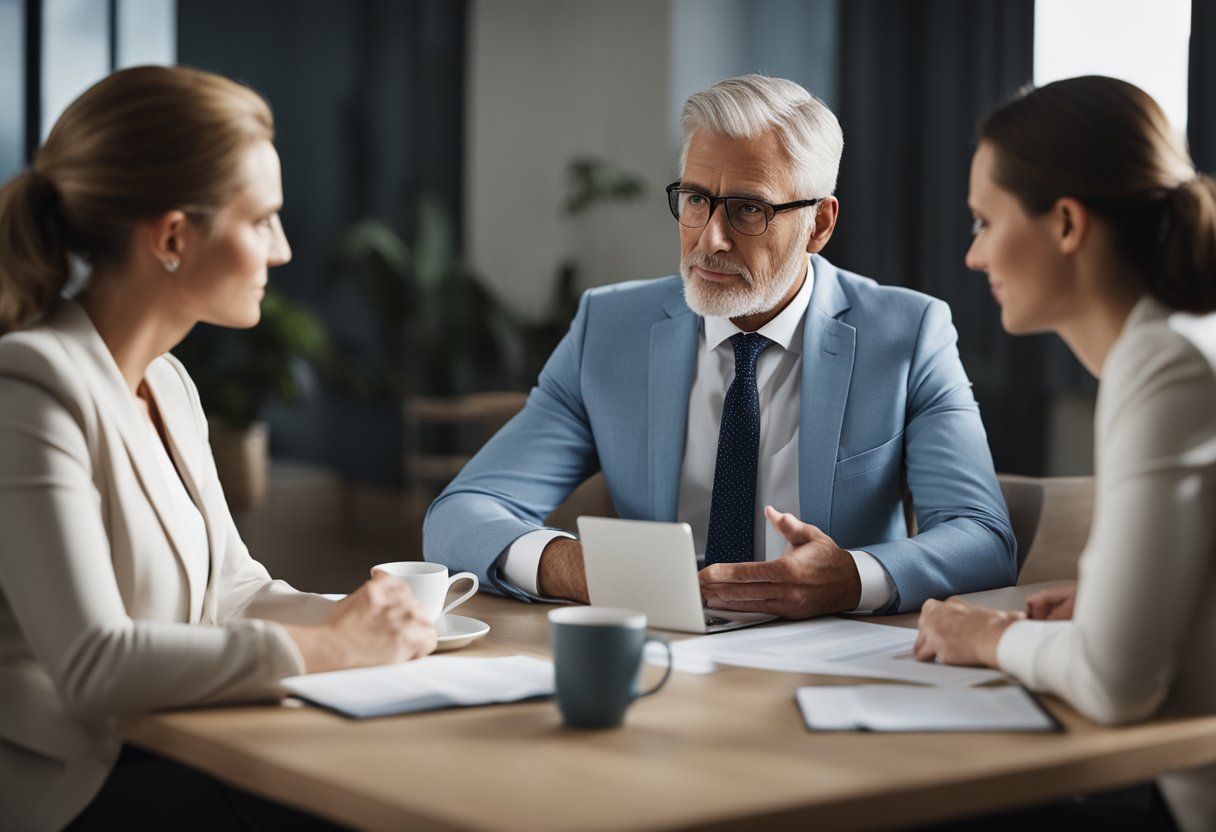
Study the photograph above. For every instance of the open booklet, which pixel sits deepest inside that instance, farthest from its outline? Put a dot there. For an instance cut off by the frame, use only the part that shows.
(425, 685)
(916, 708)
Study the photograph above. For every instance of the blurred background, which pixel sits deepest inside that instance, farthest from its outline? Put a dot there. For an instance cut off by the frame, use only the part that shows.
(457, 172)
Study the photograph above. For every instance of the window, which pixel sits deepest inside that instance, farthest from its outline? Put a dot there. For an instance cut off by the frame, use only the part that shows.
(1143, 43)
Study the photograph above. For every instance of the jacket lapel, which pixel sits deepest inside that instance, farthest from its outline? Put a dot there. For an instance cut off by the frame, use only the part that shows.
(827, 370)
(116, 406)
(673, 345)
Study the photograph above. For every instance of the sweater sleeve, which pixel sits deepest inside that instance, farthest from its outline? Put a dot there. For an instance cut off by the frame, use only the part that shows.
(1142, 573)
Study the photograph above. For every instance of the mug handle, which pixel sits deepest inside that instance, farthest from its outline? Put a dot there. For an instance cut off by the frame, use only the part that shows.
(666, 672)
(472, 590)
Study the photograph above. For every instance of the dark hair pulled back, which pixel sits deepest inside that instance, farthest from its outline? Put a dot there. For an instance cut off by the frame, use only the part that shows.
(1109, 145)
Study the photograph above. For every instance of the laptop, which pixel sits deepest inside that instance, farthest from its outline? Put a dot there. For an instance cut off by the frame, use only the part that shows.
(652, 567)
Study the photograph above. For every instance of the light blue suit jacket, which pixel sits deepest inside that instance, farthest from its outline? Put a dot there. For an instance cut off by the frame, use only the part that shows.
(884, 399)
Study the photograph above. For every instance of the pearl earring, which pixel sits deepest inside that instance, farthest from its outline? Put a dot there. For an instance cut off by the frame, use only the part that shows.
(171, 264)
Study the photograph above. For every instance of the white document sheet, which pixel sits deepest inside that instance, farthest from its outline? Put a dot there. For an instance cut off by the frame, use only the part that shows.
(915, 708)
(827, 646)
(425, 685)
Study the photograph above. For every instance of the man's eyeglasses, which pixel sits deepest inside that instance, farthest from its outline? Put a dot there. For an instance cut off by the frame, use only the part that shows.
(746, 215)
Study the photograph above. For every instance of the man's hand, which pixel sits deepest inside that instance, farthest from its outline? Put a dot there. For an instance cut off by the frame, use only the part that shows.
(561, 573)
(956, 632)
(1052, 604)
(813, 577)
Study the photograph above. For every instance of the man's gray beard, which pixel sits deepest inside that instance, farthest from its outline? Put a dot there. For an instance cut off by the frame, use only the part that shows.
(715, 301)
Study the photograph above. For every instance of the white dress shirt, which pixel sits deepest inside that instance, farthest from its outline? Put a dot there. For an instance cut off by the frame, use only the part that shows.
(778, 374)
(195, 551)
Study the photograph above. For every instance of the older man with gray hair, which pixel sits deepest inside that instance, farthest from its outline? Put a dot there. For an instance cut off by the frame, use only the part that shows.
(761, 384)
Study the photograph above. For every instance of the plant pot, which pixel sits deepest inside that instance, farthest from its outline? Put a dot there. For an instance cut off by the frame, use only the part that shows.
(242, 459)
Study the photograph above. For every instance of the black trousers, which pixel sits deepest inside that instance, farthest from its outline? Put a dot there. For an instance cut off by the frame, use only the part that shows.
(1135, 809)
(148, 792)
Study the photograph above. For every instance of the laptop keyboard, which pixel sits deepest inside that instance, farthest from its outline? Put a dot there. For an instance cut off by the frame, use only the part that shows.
(714, 621)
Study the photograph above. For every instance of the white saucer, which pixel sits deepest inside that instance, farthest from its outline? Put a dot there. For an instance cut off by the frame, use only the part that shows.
(455, 631)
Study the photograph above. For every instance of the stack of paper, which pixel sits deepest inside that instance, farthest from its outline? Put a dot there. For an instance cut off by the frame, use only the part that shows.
(826, 646)
(913, 708)
(425, 685)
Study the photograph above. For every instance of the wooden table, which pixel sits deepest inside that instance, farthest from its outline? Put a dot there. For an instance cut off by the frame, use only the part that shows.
(726, 750)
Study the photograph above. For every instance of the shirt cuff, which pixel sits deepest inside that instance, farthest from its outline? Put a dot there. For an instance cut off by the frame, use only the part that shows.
(877, 588)
(1020, 644)
(520, 564)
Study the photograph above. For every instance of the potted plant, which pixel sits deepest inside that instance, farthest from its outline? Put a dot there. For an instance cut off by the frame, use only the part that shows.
(442, 332)
(444, 339)
(238, 373)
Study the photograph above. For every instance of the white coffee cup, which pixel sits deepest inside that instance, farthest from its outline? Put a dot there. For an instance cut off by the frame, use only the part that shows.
(430, 584)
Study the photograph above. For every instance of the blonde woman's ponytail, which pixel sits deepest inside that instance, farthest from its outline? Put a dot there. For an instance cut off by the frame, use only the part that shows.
(138, 143)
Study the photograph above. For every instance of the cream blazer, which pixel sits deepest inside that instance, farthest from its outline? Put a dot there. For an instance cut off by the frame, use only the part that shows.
(93, 610)
(1142, 639)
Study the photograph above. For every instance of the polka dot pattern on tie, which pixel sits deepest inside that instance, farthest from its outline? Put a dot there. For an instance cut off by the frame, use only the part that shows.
(732, 507)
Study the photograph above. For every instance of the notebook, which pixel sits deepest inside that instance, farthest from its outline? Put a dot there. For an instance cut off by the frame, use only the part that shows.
(916, 708)
(652, 567)
(425, 685)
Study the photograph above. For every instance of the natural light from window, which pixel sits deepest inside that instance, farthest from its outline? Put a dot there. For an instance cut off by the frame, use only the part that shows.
(1145, 43)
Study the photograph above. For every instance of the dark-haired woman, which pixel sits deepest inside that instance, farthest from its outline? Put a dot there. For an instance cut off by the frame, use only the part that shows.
(1091, 222)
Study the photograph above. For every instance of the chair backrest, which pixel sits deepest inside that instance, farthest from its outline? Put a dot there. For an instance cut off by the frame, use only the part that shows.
(477, 417)
(1051, 517)
(462, 424)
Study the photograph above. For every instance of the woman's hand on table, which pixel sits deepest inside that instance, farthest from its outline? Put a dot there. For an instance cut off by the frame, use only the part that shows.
(955, 632)
(1052, 604)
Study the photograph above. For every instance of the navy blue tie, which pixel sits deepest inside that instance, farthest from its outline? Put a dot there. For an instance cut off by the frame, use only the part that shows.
(732, 506)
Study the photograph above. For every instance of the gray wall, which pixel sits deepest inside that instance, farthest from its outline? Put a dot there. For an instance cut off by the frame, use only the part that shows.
(548, 81)
(551, 80)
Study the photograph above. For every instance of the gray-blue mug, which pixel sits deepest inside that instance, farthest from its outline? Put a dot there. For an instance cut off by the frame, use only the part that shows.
(597, 659)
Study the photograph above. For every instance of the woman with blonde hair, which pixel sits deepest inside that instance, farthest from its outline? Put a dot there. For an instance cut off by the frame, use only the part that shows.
(124, 585)
(1091, 221)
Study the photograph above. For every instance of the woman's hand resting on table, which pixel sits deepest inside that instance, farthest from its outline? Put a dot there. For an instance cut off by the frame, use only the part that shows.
(958, 633)
(955, 632)
(1052, 604)
(379, 623)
